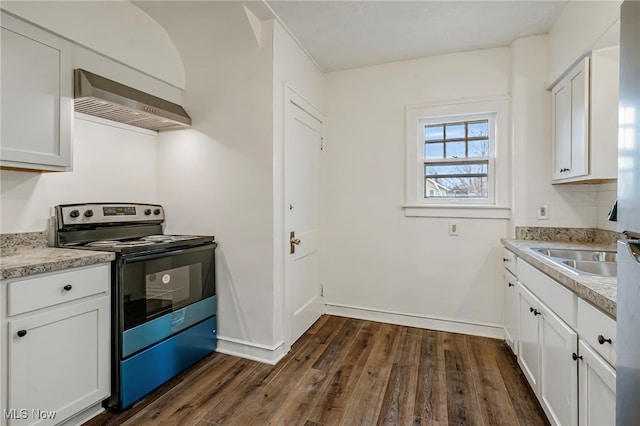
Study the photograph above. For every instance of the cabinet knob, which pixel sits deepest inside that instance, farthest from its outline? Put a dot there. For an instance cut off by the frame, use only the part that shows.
(68, 287)
(504, 259)
(602, 340)
(576, 357)
(511, 285)
(21, 333)
(535, 311)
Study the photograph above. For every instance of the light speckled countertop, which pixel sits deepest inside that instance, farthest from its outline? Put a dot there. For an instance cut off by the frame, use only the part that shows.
(27, 254)
(599, 291)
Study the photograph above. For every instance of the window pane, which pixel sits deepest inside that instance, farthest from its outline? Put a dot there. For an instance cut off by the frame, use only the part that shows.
(433, 151)
(456, 169)
(434, 133)
(479, 128)
(455, 131)
(479, 148)
(459, 187)
(456, 150)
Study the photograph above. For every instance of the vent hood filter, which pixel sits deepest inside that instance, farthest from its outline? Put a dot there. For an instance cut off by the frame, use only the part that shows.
(104, 98)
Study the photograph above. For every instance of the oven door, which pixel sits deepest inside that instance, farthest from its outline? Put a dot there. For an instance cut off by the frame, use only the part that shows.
(154, 285)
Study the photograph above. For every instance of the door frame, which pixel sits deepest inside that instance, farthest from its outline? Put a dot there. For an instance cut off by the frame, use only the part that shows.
(291, 96)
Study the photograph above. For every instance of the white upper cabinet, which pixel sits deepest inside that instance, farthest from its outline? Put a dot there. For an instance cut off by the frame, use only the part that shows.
(37, 98)
(584, 120)
(570, 124)
(603, 138)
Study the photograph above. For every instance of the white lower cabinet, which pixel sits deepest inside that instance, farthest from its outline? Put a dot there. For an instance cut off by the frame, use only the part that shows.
(57, 357)
(558, 387)
(529, 336)
(509, 310)
(597, 388)
(574, 383)
(546, 347)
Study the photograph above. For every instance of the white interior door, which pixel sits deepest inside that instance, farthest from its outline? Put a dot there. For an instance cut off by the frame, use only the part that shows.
(303, 143)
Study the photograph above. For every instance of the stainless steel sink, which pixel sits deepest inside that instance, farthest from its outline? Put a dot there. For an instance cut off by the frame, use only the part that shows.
(590, 262)
(571, 254)
(607, 269)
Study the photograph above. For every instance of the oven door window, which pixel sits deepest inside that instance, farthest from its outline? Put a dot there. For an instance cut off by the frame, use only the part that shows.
(155, 285)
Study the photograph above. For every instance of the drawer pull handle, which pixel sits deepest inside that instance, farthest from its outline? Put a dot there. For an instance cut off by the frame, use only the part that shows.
(21, 333)
(576, 357)
(602, 340)
(68, 287)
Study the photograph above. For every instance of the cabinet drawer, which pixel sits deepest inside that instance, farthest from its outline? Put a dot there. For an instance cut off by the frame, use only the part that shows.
(51, 289)
(558, 298)
(596, 328)
(509, 261)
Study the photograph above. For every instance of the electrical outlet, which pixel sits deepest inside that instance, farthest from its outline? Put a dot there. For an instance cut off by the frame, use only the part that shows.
(453, 228)
(543, 212)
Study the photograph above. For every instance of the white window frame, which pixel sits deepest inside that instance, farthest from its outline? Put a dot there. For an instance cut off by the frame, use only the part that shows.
(497, 203)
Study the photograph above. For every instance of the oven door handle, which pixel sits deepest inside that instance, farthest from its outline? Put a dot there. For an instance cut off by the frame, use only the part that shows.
(167, 253)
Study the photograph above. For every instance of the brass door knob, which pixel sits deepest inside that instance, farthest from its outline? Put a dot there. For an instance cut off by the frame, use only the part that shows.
(293, 242)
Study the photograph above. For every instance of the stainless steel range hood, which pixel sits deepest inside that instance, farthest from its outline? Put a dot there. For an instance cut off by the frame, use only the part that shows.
(101, 97)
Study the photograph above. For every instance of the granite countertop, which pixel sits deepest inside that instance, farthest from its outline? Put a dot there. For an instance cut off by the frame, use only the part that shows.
(599, 291)
(27, 254)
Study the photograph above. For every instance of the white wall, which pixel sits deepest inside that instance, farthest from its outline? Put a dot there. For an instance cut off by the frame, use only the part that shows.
(607, 194)
(292, 69)
(569, 205)
(376, 261)
(217, 177)
(576, 31)
(580, 27)
(109, 164)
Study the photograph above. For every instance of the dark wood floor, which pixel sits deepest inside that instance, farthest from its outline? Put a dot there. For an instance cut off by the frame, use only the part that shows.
(350, 372)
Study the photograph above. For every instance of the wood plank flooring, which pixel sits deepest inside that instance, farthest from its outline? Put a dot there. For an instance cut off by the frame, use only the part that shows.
(349, 372)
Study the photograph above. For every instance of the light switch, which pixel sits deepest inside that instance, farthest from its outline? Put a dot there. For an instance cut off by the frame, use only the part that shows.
(543, 212)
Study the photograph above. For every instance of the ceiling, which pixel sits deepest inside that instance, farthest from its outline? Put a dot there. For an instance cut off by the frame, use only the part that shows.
(341, 35)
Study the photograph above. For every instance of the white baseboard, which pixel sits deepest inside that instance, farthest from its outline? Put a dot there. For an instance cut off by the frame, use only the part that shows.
(253, 351)
(84, 416)
(420, 321)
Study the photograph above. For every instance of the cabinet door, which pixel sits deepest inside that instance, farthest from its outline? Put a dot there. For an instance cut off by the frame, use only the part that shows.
(528, 343)
(510, 310)
(558, 370)
(58, 361)
(597, 389)
(37, 104)
(570, 124)
(579, 82)
(561, 128)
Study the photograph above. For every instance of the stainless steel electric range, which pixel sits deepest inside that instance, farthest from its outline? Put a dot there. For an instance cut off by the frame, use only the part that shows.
(163, 291)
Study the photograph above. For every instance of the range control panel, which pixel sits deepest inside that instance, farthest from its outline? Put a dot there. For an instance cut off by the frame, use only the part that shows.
(79, 214)
(119, 211)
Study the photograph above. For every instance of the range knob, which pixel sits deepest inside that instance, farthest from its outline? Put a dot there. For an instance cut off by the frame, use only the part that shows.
(74, 213)
(156, 211)
(88, 213)
(147, 212)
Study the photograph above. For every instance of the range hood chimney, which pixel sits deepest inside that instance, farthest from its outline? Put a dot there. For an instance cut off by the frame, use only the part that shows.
(104, 98)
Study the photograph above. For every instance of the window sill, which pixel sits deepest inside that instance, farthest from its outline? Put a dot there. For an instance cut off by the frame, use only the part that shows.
(467, 211)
